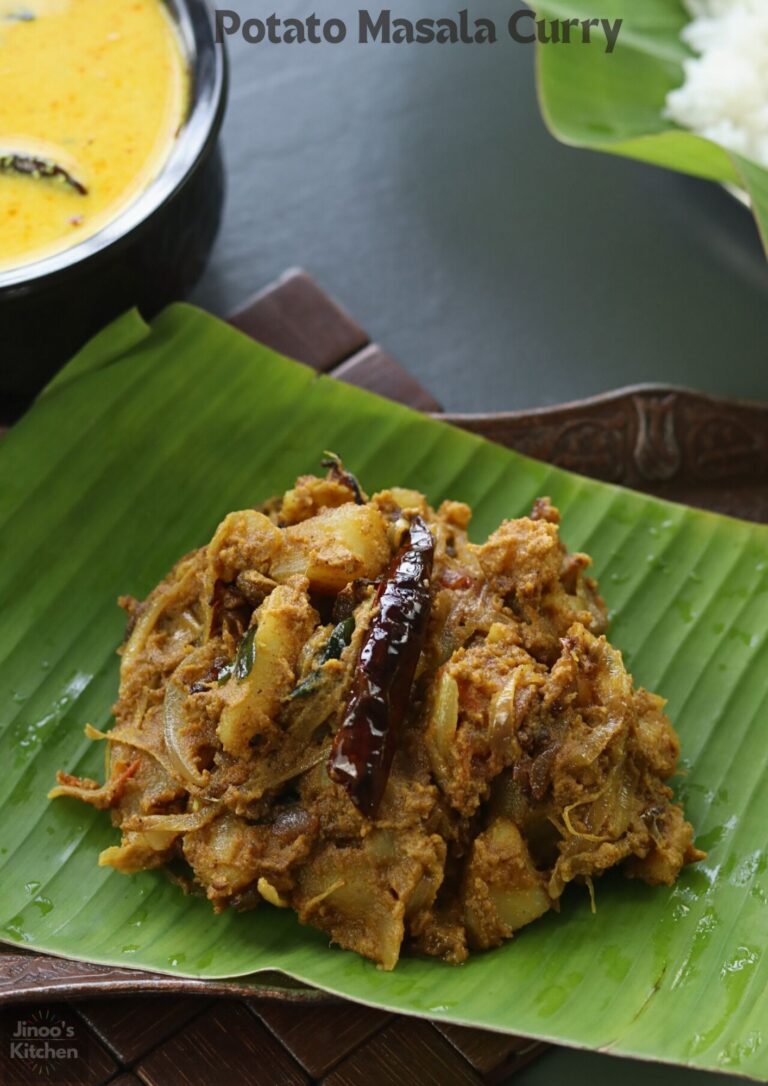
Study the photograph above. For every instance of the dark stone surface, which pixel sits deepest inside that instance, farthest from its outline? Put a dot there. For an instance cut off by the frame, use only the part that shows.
(419, 186)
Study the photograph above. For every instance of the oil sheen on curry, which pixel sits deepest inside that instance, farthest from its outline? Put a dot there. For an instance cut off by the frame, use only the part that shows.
(92, 94)
(342, 706)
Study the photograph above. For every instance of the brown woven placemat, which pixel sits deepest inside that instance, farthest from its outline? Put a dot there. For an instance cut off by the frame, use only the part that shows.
(161, 1040)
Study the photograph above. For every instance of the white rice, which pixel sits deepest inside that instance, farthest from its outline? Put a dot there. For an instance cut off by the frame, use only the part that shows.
(725, 94)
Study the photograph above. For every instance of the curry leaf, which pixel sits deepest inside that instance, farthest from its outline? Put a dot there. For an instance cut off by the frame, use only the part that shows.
(245, 657)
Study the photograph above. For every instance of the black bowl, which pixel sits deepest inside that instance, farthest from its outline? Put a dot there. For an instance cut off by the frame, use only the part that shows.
(150, 255)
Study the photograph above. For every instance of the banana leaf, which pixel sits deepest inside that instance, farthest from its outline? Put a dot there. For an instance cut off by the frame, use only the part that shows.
(131, 457)
(615, 103)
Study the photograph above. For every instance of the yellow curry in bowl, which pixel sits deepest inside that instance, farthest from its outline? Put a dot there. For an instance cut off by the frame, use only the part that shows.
(92, 96)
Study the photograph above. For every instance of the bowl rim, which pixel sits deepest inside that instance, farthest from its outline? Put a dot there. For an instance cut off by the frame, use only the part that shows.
(209, 70)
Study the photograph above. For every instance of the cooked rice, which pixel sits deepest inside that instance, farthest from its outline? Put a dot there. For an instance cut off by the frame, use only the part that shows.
(725, 93)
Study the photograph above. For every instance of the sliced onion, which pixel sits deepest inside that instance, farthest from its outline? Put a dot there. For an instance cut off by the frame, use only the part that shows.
(277, 769)
(173, 721)
(158, 840)
(148, 619)
(171, 823)
(593, 745)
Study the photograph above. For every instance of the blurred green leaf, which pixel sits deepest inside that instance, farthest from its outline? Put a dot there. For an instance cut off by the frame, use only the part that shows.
(615, 103)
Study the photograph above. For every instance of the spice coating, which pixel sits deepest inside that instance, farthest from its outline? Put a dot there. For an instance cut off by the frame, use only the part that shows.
(344, 707)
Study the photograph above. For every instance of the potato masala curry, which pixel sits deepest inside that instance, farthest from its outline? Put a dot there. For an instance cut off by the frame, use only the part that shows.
(344, 707)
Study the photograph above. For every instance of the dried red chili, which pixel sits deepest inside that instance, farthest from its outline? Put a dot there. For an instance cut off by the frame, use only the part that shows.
(364, 745)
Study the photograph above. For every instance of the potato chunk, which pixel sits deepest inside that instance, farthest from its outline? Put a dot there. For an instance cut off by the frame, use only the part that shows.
(284, 622)
(244, 540)
(363, 892)
(334, 548)
(503, 891)
(310, 495)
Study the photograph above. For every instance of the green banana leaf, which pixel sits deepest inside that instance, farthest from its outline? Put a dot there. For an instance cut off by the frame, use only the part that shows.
(615, 102)
(132, 456)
